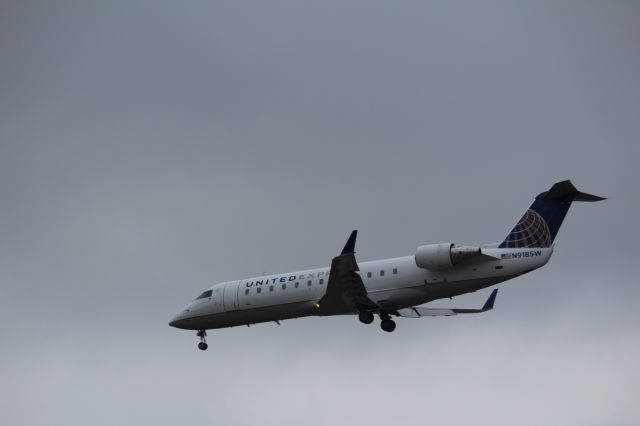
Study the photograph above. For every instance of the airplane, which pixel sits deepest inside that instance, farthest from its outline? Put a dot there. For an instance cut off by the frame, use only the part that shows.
(389, 287)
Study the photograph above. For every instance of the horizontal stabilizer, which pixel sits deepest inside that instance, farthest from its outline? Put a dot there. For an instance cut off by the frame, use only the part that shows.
(418, 312)
(565, 191)
(583, 196)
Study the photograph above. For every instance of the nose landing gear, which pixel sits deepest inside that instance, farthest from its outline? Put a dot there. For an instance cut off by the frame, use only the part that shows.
(202, 334)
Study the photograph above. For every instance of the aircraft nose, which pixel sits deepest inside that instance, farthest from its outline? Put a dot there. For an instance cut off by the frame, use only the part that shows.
(180, 320)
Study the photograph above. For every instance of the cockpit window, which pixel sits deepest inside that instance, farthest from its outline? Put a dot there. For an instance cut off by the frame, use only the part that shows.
(204, 295)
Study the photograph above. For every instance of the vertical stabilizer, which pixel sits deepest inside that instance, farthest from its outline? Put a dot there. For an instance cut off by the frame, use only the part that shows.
(540, 224)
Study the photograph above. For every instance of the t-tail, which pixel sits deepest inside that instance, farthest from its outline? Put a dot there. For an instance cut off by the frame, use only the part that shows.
(539, 225)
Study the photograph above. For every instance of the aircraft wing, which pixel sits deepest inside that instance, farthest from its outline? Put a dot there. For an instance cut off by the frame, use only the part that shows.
(345, 290)
(417, 312)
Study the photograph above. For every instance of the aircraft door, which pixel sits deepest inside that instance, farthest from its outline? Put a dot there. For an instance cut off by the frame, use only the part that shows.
(230, 296)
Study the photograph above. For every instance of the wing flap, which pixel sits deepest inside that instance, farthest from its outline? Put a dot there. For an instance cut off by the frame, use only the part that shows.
(418, 312)
(425, 312)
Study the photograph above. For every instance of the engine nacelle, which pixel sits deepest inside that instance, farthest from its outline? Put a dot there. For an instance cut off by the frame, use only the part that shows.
(445, 255)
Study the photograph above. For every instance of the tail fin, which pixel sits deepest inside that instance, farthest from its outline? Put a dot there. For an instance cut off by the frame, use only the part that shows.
(539, 225)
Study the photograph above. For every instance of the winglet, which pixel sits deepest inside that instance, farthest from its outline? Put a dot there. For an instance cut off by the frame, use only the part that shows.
(488, 305)
(351, 243)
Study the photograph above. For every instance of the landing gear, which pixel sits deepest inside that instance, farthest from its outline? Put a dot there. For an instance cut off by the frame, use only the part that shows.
(387, 324)
(202, 334)
(365, 317)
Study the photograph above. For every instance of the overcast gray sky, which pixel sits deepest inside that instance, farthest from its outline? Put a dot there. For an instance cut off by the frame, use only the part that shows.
(151, 149)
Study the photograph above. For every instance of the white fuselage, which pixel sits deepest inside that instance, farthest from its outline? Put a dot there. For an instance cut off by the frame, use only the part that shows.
(392, 283)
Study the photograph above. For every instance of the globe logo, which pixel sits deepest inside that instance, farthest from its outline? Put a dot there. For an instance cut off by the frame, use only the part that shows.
(530, 231)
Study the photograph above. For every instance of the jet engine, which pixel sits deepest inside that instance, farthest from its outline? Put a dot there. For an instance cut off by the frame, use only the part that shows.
(444, 256)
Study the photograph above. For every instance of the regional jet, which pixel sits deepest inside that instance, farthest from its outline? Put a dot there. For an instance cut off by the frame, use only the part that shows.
(390, 287)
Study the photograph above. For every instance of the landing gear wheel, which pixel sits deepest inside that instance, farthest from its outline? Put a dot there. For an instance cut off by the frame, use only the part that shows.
(202, 334)
(365, 317)
(388, 325)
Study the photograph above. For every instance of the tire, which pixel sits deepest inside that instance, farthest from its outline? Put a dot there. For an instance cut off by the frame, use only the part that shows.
(388, 325)
(202, 346)
(365, 317)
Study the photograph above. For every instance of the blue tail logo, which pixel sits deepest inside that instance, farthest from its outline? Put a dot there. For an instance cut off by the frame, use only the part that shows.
(541, 222)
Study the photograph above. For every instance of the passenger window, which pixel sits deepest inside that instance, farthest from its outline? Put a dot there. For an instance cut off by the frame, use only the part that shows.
(246, 291)
(296, 285)
(395, 271)
(382, 273)
(284, 286)
(321, 281)
(309, 283)
(270, 288)
(369, 274)
(259, 290)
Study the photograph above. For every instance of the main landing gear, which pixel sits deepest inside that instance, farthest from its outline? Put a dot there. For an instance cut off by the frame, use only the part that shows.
(365, 317)
(202, 334)
(387, 324)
